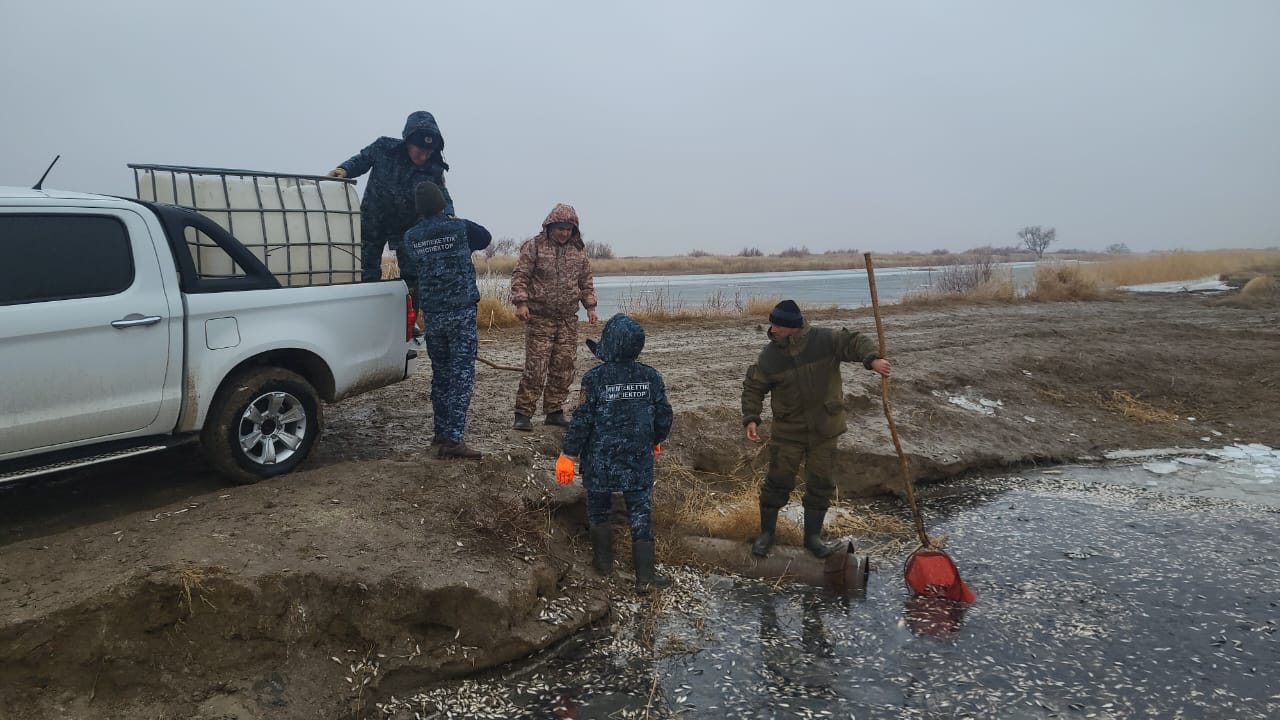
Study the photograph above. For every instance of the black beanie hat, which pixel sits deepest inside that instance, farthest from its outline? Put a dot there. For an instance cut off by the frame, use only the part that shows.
(428, 199)
(786, 314)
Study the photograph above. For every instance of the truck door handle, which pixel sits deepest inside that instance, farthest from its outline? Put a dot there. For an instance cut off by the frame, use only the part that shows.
(135, 320)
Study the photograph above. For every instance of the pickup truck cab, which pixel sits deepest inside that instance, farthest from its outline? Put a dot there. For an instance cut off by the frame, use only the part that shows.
(114, 342)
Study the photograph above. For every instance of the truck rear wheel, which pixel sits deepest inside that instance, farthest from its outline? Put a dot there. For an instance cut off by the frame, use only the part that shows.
(263, 422)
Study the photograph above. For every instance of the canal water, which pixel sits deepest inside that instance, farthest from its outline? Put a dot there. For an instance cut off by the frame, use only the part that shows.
(822, 288)
(1096, 599)
(811, 288)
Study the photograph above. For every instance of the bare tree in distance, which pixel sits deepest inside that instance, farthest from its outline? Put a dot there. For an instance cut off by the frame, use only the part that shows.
(508, 246)
(501, 246)
(597, 250)
(1037, 239)
(962, 277)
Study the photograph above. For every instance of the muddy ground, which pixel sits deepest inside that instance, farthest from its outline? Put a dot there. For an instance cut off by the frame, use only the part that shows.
(149, 589)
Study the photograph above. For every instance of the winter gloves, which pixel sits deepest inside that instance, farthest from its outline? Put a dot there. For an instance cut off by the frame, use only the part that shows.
(564, 469)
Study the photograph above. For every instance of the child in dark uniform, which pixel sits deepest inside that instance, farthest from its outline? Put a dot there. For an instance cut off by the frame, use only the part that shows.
(616, 430)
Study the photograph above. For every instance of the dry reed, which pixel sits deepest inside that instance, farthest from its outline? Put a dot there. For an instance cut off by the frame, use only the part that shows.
(1182, 265)
(1059, 282)
(494, 309)
(1000, 288)
(1263, 286)
(728, 506)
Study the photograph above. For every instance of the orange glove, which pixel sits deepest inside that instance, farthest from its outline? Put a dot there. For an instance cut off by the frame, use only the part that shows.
(657, 449)
(564, 469)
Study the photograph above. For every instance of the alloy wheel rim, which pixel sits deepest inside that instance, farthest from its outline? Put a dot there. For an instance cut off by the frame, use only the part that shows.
(272, 428)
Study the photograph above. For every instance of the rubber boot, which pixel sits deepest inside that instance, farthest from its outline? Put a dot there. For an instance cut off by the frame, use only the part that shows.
(646, 576)
(768, 531)
(813, 534)
(557, 418)
(602, 548)
(457, 450)
(523, 422)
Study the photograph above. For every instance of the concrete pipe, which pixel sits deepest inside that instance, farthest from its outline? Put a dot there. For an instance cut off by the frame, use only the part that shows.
(842, 571)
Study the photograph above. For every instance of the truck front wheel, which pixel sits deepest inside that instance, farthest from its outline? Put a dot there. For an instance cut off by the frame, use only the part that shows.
(263, 422)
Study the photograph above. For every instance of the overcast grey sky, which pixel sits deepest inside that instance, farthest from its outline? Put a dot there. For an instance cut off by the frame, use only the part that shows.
(680, 125)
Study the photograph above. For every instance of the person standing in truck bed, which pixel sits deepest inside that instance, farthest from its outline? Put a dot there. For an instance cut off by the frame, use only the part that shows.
(387, 210)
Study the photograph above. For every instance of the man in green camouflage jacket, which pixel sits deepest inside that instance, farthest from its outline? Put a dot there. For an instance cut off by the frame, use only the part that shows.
(800, 371)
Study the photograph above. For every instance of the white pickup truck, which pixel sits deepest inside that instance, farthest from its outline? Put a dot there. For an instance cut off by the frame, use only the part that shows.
(114, 342)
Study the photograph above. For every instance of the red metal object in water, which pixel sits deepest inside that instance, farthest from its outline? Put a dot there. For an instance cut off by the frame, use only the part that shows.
(932, 573)
(929, 572)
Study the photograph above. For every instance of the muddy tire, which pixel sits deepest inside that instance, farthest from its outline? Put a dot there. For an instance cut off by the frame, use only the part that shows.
(263, 422)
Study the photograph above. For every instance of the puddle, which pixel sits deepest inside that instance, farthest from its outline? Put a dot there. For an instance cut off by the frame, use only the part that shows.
(1095, 600)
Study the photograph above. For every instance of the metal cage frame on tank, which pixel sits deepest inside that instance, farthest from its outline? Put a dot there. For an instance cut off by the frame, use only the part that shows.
(313, 219)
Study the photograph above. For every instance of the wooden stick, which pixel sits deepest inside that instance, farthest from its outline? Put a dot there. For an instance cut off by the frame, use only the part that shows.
(888, 414)
(493, 364)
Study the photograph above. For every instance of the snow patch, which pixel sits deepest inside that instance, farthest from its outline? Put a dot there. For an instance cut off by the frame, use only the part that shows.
(1209, 284)
(971, 401)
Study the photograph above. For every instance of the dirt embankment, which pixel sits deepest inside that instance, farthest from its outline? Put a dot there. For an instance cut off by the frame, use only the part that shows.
(147, 589)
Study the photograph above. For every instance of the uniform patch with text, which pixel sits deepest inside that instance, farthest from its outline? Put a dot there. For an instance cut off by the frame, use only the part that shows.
(626, 391)
(434, 245)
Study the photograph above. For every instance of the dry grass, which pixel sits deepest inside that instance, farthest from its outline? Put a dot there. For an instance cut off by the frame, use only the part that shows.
(1124, 403)
(999, 288)
(494, 309)
(760, 305)
(1182, 265)
(732, 514)
(508, 518)
(866, 523)
(728, 507)
(1263, 286)
(496, 265)
(193, 584)
(1259, 292)
(714, 264)
(1059, 282)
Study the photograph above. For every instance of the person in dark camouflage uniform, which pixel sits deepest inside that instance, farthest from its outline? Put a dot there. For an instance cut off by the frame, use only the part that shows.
(800, 371)
(624, 415)
(395, 168)
(439, 247)
(551, 277)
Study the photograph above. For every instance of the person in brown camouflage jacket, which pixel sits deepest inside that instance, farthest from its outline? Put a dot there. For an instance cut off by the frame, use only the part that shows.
(551, 277)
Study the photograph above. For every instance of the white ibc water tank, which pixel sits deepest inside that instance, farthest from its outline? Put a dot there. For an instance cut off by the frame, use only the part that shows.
(305, 229)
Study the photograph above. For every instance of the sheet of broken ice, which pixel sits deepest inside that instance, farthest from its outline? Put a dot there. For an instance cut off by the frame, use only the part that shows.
(1209, 284)
(1248, 472)
(972, 401)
